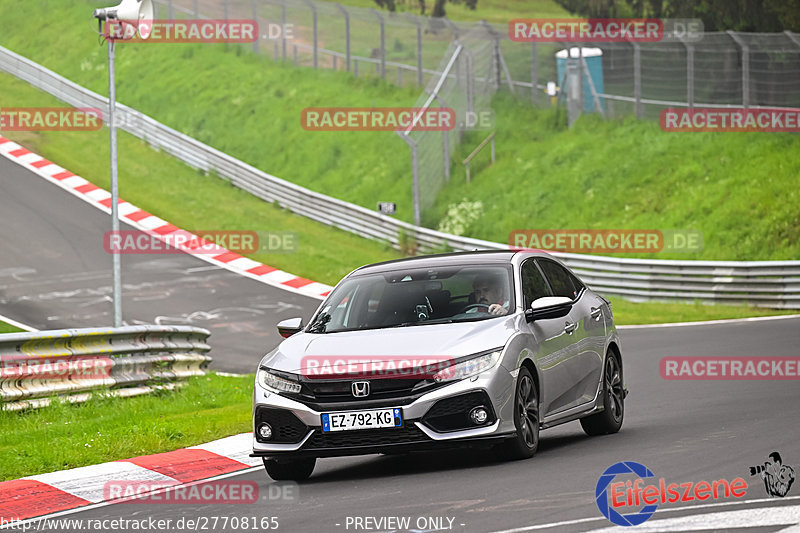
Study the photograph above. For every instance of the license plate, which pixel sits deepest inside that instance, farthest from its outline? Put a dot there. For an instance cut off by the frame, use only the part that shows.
(372, 419)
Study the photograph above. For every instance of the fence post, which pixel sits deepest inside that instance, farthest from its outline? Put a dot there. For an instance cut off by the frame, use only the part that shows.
(414, 176)
(383, 43)
(745, 68)
(170, 10)
(534, 74)
(582, 77)
(316, 45)
(225, 9)
(689, 73)
(255, 18)
(416, 22)
(283, 29)
(445, 144)
(637, 79)
(346, 33)
(196, 10)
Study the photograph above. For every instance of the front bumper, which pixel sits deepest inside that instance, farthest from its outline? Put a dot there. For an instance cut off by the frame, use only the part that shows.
(422, 429)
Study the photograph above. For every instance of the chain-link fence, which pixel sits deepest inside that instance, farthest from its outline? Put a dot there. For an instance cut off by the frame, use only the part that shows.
(468, 80)
(721, 69)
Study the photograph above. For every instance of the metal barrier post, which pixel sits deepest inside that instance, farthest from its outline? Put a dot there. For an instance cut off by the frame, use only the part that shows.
(637, 79)
(745, 67)
(416, 22)
(255, 18)
(534, 75)
(383, 43)
(346, 33)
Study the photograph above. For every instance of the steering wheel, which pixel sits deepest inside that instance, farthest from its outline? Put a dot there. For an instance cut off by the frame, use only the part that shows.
(475, 306)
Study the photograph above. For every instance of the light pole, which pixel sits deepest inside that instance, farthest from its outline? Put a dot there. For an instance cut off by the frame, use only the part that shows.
(129, 14)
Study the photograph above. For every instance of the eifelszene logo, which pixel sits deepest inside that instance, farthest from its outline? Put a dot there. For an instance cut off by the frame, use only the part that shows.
(644, 500)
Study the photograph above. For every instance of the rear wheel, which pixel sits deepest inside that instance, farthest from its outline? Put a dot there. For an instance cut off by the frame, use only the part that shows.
(526, 419)
(290, 470)
(610, 419)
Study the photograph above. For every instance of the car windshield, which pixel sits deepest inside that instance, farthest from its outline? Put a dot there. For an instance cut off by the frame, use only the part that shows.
(415, 297)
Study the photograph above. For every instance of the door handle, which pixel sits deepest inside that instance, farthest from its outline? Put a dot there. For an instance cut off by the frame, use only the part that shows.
(596, 312)
(569, 327)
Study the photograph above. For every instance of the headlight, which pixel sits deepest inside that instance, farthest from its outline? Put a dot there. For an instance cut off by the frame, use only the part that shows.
(468, 368)
(276, 383)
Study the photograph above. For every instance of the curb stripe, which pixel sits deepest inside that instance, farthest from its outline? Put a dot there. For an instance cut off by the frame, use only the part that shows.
(26, 498)
(187, 465)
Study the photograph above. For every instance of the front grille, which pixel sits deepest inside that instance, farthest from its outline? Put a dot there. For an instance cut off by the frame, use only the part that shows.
(286, 427)
(407, 434)
(451, 414)
(326, 395)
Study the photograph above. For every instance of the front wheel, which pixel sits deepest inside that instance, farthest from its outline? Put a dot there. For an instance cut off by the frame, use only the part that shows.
(290, 470)
(526, 419)
(609, 420)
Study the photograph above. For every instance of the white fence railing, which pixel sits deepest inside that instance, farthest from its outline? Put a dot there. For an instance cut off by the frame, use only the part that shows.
(773, 284)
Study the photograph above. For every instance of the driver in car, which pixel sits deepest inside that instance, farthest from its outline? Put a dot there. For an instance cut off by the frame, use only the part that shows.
(488, 291)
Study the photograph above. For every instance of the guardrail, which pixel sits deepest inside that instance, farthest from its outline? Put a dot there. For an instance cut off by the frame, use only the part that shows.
(774, 284)
(74, 362)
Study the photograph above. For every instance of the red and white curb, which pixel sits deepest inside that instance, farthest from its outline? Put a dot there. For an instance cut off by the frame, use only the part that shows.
(153, 225)
(44, 494)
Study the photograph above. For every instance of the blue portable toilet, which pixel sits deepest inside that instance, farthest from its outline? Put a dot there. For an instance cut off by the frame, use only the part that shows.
(594, 62)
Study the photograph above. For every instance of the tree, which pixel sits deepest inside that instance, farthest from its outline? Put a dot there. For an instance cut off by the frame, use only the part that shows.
(717, 15)
(438, 6)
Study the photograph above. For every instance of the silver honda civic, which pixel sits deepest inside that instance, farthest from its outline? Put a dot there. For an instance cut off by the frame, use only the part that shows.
(464, 349)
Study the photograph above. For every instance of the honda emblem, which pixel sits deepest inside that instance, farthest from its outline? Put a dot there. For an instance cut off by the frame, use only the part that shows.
(360, 388)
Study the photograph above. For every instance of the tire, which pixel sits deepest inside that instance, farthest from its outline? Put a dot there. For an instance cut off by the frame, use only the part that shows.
(526, 419)
(290, 470)
(609, 420)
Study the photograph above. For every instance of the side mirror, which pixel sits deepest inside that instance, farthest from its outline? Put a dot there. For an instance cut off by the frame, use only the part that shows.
(290, 326)
(548, 307)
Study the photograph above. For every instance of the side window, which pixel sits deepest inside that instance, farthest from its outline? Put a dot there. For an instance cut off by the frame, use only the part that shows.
(562, 282)
(533, 284)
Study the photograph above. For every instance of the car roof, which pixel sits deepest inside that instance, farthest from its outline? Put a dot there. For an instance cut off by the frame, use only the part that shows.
(487, 257)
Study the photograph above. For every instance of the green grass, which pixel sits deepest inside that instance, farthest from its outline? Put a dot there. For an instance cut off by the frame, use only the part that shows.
(65, 435)
(8, 328)
(500, 11)
(626, 312)
(739, 189)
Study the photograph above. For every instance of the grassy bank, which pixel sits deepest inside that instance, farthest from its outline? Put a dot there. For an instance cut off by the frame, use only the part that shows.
(65, 435)
(162, 185)
(738, 189)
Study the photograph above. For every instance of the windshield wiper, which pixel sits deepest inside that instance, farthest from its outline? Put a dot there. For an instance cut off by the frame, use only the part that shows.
(423, 322)
(319, 324)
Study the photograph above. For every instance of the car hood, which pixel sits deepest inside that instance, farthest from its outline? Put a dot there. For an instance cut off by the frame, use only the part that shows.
(444, 340)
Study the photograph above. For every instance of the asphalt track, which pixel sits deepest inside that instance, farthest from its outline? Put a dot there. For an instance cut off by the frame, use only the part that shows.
(54, 273)
(682, 430)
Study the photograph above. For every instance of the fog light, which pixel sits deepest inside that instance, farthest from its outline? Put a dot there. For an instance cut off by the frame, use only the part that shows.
(478, 416)
(265, 431)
